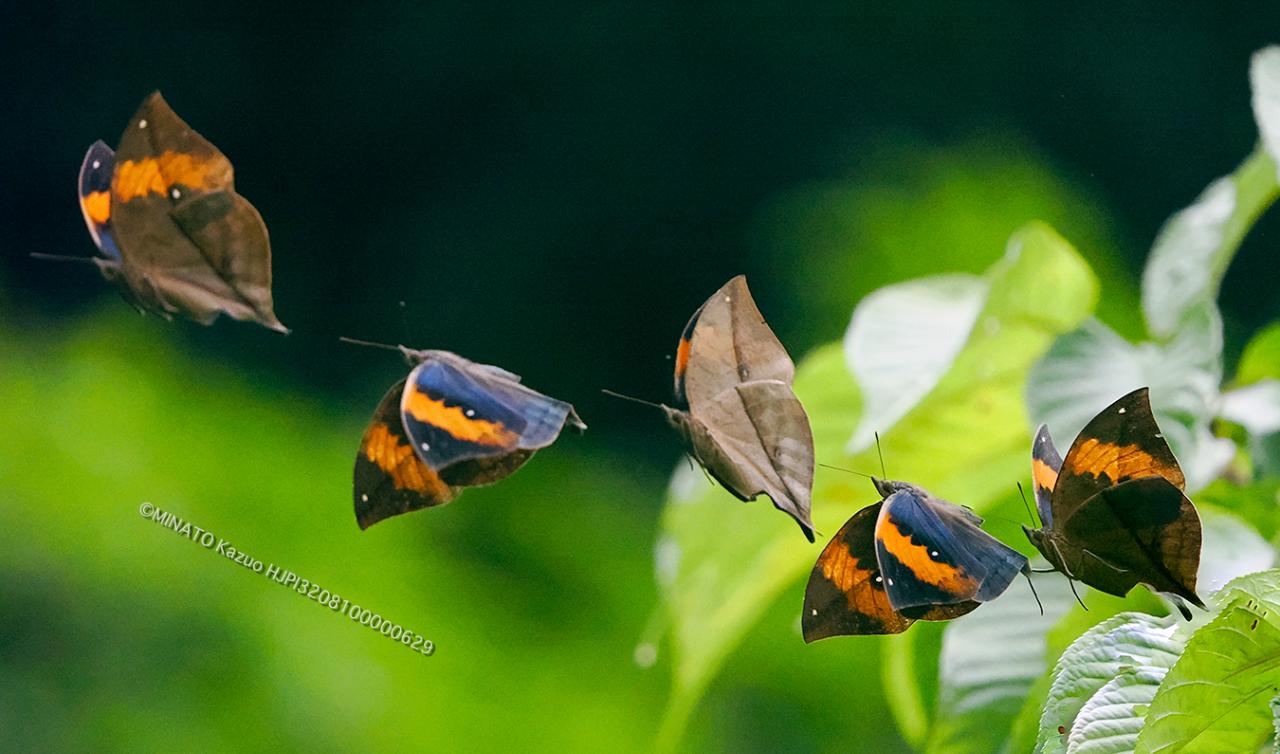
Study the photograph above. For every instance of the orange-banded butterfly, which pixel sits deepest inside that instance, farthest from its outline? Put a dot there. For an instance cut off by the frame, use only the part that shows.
(1113, 512)
(909, 557)
(736, 407)
(452, 423)
(174, 234)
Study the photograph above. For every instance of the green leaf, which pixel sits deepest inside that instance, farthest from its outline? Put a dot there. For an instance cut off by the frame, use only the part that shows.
(903, 339)
(989, 662)
(1261, 357)
(1231, 550)
(1215, 698)
(1255, 407)
(1261, 589)
(1196, 245)
(726, 562)
(1109, 723)
(1125, 641)
(1264, 77)
(1089, 368)
(1256, 502)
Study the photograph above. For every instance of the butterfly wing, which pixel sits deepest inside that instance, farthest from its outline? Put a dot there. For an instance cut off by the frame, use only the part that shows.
(1122, 442)
(1140, 531)
(390, 479)
(95, 196)
(190, 244)
(727, 343)
(1045, 463)
(756, 440)
(933, 553)
(846, 596)
(457, 411)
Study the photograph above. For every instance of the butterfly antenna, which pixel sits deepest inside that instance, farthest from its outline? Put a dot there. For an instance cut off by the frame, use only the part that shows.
(633, 399)
(1027, 505)
(369, 343)
(840, 468)
(1027, 572)
(884, 474)
(60, 257)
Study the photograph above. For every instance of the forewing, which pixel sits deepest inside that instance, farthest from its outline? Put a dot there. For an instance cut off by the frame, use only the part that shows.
(1122, 442)
(390, 479)
(190, 244)
(845, 595)
(1140, 531)
(930, 555)
(1045, 464)
(455, 412)
(94, 190)
(730, 344)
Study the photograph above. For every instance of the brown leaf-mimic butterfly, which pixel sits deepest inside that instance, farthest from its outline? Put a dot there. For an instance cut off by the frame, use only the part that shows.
(909, 557)
(452, 423)
(174, 234)
(737, 410)
(1113, 512)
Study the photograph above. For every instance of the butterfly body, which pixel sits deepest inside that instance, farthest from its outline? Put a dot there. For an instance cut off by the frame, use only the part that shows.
(909, 557)
(738, 412)
(174, 234)
(1114, 512)
(451, 423)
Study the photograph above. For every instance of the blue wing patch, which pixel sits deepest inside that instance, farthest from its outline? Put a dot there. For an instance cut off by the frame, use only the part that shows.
(456, 412)
(931, 557)
(95, 196)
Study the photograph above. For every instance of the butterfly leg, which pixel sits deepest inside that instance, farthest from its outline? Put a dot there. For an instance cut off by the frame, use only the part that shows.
(1071, 579)
(1106, 563)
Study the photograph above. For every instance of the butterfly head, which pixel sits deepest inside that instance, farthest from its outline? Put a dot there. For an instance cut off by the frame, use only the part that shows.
(887, 487)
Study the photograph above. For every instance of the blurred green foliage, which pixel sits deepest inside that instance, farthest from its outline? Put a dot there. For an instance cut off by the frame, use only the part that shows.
(552, 193)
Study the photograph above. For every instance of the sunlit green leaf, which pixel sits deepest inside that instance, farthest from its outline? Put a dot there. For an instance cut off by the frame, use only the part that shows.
(1196, 245)
(903, 339)
(731, 560)
(1110, 721)
(1126, 641)
(1215, 698)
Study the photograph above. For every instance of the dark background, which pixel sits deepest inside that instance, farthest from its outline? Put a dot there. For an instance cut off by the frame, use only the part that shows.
(555, 187)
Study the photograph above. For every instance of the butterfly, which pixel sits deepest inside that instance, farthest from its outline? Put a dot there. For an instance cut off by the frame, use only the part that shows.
(909, 557)
(738, 413)
(452, 423)
(174, 234)
(1114, 513)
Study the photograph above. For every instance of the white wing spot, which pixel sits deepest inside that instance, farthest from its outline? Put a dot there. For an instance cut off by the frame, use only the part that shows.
(933, 553)
(470, 412)
(813, 612)
(878, 579)
(364, 498)
(97, 164)
(175, 193)
(1122, 410)
(890, 582)
(1160, 435)
(142, 123)
(425, 446)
